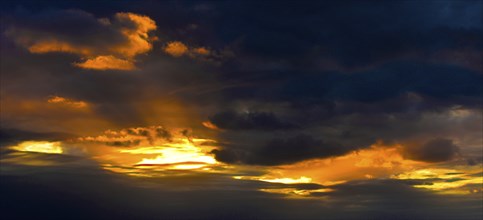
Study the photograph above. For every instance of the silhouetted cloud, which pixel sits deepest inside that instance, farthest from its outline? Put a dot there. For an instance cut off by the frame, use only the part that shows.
(249, 121)
(283, 151)
(435, 150)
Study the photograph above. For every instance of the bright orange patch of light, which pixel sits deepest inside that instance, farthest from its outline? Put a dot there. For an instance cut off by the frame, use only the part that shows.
(39, 147)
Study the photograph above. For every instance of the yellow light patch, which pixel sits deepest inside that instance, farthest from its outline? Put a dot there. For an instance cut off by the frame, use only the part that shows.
(184, 156)
(39, 147)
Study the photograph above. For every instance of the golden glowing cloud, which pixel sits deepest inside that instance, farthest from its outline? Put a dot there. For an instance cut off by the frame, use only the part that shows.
(66, 101)
(139, 41)
(176, 49)
(151, 149)
(210, 125)
(375, 162)
(57, 46)
(106, 63)
(174, 153)
(39, 147)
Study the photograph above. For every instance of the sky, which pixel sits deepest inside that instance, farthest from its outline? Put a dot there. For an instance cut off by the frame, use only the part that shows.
(143, 109)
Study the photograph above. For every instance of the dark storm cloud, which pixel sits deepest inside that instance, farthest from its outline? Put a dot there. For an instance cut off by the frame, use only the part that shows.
(249, 121)
(435, 150)
(333, 35)
(283, 151)
(393, 103)
(348, 73)
(445, 83)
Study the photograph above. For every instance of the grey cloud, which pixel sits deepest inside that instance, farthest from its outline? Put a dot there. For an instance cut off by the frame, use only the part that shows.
(250, 121)
(283, 151)
(435, 150)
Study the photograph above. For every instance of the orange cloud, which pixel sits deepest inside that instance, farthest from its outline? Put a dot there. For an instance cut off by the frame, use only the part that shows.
(176, 49)
(106, 63)
(139, 41)
(179, 49)
(375, 162)
(67, 102)
(201, 51)
(58, 46)
(210, 125)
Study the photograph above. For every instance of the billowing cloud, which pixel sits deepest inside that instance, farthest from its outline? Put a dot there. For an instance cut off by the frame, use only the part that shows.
(102, 43)
(176, 49)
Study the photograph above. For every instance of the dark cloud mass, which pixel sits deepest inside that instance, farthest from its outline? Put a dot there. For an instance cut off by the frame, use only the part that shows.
(435, 150)
(263, 85)
(249, 121)
(283, 151)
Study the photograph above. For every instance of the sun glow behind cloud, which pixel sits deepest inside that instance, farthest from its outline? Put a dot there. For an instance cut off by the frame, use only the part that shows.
(39, 147)
(149, 151)
(183, 155)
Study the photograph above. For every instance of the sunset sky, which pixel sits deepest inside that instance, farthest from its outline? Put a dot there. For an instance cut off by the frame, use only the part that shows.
(143, 109)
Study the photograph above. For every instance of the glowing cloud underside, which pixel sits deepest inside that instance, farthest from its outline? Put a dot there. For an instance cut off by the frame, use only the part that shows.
(39, 147)
(148, 151)
(446, 181)
(67, 102)
(175, 156)
(106, 62)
